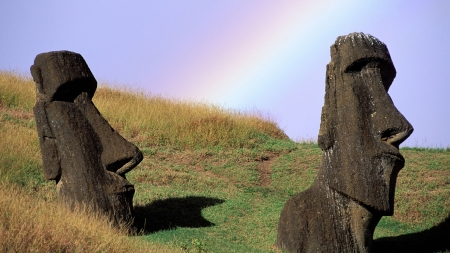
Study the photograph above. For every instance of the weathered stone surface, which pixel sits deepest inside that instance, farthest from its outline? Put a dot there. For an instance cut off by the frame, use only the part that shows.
(360, 134)
(86, 157)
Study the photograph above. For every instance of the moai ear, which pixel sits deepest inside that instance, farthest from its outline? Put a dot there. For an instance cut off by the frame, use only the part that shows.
(49, 150)
(37, 77)
(325, 139)
(326, 134)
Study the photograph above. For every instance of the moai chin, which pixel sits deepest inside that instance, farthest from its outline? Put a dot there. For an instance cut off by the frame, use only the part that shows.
(86, 157)
(360, 134)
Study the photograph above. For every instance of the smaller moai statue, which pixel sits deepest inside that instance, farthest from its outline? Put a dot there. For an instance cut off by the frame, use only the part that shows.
(360, 134)
(86, 157)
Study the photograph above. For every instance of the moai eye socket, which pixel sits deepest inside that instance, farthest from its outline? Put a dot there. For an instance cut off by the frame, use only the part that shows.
(360, 64)
(69, 91)
(387, 70)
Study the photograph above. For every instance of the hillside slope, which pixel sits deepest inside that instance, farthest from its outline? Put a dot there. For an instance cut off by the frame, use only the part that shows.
(212, 180)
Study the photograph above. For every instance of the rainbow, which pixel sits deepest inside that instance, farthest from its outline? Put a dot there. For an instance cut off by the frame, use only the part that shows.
(267, 55)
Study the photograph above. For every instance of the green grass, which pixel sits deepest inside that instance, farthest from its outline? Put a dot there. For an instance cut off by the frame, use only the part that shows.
(220, 192)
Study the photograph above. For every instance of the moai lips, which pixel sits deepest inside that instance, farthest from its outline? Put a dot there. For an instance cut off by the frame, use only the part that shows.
(86, 157)
(360, 134)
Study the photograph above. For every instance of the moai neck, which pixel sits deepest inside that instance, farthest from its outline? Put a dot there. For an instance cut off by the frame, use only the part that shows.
(353, 223)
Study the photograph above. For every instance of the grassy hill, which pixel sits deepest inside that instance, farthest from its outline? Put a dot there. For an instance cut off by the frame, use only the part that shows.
(212, 180)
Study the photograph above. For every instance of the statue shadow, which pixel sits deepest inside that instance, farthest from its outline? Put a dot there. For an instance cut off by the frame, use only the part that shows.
(171, 213)
(434, 239)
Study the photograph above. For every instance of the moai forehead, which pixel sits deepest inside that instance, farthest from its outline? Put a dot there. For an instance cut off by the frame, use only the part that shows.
(62, 75)
(352, 52)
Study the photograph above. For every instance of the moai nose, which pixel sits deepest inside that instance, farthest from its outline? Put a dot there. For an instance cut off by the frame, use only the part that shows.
(394, 128)
(395, 137)
(388, 123)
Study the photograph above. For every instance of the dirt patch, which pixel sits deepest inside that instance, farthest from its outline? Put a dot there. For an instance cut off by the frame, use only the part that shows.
(265, 170)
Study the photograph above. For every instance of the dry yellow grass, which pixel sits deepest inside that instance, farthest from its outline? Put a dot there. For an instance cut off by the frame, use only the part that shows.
(19, 143)
(16, 90)
(28, 224)
(155, 121)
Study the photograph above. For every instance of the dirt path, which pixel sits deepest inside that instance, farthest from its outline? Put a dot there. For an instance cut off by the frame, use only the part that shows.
(265, 170)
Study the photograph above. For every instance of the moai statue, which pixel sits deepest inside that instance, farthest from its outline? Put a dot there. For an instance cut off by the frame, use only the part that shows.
(360, 134)
(86, 157)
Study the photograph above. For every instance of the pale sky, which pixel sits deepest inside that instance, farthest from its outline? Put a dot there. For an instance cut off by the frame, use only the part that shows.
(243, 54)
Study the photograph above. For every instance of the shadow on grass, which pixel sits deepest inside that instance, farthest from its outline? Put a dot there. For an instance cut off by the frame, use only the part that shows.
(172, 213)
(435, 239)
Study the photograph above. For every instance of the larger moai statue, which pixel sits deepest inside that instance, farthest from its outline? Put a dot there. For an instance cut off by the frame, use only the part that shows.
(360, 134)
(86, 157)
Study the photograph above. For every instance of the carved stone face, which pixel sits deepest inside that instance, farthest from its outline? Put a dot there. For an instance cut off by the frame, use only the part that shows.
(80, 150)
(64, 76)
(361, 129)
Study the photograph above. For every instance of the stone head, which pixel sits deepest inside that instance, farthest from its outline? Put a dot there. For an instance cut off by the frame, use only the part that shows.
(64, 76)
(361, 129)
